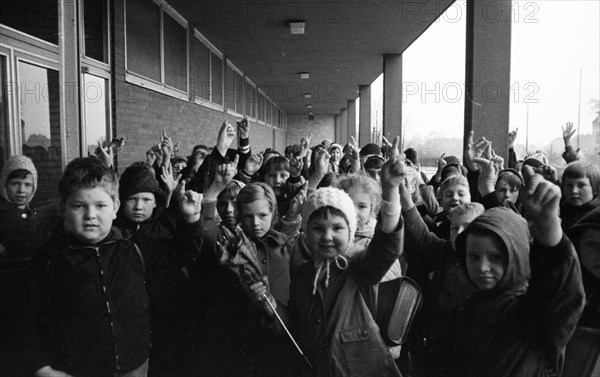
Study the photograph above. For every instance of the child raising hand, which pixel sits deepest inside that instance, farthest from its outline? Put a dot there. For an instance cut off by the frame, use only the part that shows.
(331, 293)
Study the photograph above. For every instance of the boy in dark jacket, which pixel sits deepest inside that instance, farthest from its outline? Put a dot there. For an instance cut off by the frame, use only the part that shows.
(92, 310)
(526, 307)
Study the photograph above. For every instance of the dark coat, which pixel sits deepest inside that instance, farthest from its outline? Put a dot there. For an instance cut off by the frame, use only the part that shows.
(92, 316)
(591, 313)
(335, 327)
(520, 327)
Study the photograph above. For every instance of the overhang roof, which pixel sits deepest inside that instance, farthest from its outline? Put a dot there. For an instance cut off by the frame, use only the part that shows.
(342, 48)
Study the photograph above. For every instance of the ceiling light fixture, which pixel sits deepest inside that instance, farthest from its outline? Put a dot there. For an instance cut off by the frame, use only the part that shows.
(307, 95)
(297, 27)
(304, 75)
(309, 106)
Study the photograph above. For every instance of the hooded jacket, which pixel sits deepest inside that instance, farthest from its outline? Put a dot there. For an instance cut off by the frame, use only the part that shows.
(591, 313)
(521, 326)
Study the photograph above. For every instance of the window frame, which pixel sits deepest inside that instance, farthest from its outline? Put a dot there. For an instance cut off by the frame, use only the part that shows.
(248, 112)
(236, 70)
(146, 82)
(212, 50)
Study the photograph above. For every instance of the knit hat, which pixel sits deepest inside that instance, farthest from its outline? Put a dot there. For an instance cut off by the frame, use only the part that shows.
(511, 171)
(139, 177)
(370, 149)
(14, 163)
(536, 159)
(453, 180)
(335, 145)
(330, 197)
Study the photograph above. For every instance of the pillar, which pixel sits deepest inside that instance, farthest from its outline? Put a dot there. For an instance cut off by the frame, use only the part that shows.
(338, 128)
(343, 127)
(351, 121)
(392, 96)
(487, 75)
(364, 124)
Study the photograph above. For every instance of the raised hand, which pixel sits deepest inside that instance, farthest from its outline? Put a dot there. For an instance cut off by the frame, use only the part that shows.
(157, 150)
(166, 146)
(305, 145)
(386, 146)
(321, 168)
(171, 180)
(296, 165)
(488, 175)
(105, 155)
(394, 170)
(297, 202)
(190, 205)
(253, 163)
(150, 157)
(512, 136)
(243, 128)
(540, 200)
(568, 132)
(225, 137)
(225, 172)
(474, 150)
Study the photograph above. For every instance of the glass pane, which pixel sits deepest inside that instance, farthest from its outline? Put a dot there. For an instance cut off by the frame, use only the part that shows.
(230, 88)
(175, 53)
(96, 35)
(239, 93)
(253, 101)
(216, 69)
(143, 38)
(95, 104)
(268, 111)
(261, 106)
(34, 17)
(248, 99)
(202, 68)
(3, 112)
(40, 126)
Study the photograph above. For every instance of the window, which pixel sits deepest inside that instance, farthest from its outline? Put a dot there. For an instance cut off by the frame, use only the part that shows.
(239, 93)
(234, 89)
(4, 147)
(95, 25)
(250, 99)
(38, 18)
(269, 112)
(260, 104)
(156, 47)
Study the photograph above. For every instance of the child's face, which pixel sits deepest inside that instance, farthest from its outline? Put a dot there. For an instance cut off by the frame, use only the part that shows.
(178, 166)
(139, 207)
(375, 174)
(458, 223)
(276, 179)
(328, 237)
(578, 191)
(20, 190)
(454, 196)
(256, 217)
(336, 154)
(89, 213)
(363, 205)
(506, 192)
(589, 249)
(227, 209)
(487, 260)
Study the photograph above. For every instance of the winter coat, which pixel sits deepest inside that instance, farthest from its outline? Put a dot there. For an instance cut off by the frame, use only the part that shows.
(433, 264)
(92, 310)
(570, 215)
(521, 326)
(591, 313)
(335, 327)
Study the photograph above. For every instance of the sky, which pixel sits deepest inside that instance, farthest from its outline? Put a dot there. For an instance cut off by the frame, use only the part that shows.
(552, 42)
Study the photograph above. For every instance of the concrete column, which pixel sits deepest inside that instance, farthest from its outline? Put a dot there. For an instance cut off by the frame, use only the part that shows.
(338, 128)
(487, 75)
(364, 124)
(344, 127)
(69, 81)
(392, 95)
(351, 120)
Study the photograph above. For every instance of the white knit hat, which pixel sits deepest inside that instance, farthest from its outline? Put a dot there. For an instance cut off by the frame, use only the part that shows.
(330, 197)
(13, 163)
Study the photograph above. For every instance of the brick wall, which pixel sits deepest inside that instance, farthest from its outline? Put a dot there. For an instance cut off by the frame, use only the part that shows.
(140, 114)
(322, 127)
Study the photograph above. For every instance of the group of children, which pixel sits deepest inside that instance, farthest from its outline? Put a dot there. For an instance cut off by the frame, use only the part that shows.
(243, 264)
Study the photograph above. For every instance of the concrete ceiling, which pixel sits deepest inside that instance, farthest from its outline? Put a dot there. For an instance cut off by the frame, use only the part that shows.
(342, 47)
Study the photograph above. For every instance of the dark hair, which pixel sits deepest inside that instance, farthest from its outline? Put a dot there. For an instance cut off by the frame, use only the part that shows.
(374, 162)
(447, 171)
(511, 178)
(323, 213)
(18, 174)
(329, 180)
(277, 163)
(231, 190)
(88, 173)
(581, 169)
